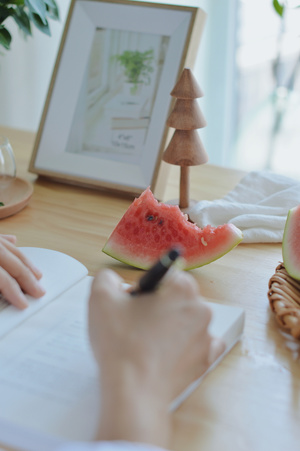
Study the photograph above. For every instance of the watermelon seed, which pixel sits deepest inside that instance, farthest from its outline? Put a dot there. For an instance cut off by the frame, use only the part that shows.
(161, 222)
(150, 218)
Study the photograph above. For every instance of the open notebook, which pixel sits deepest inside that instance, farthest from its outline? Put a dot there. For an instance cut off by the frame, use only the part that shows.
(48, 377)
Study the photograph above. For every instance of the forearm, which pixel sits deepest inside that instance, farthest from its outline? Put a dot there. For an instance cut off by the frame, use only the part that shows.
(130, 410)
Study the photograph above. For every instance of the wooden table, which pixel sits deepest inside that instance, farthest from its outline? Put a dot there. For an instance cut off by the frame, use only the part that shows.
(251, 401)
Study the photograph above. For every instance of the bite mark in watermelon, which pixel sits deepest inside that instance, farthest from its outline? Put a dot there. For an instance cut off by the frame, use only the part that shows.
(149, 228)
(291, 243)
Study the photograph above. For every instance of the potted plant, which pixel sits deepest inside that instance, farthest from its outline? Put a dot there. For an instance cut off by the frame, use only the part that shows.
(137, 67)
(25, 13)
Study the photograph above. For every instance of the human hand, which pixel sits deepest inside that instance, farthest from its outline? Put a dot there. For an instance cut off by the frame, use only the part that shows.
(152, 346)
(17, 274)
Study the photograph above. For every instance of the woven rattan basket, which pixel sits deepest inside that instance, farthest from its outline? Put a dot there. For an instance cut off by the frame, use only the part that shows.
(284, 298)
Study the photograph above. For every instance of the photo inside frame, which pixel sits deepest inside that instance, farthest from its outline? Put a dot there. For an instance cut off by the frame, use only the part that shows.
(117, 95)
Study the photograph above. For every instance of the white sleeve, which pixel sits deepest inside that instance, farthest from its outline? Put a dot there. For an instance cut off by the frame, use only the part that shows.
(108, 446)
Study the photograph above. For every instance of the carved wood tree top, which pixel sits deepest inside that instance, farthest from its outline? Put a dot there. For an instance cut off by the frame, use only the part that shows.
(187, 86)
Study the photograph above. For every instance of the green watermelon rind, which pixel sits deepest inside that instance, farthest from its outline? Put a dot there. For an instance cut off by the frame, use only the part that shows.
(239, 238)
(111, 253)
(288, 249)
(235, 239)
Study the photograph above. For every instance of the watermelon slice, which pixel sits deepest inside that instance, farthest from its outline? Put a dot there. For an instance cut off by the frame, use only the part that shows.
(291, 243)
(149, 228)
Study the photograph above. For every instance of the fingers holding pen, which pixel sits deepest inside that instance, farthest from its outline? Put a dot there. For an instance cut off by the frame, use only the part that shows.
(106, 293)
(183, 287)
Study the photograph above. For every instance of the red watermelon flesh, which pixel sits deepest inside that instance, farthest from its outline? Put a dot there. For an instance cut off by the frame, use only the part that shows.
(149, 228)
(291, 243)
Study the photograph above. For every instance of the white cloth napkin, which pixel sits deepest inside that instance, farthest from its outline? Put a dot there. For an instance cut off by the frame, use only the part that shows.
(258, 206)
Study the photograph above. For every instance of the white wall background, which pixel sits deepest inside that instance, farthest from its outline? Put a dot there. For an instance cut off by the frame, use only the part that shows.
(25, 73)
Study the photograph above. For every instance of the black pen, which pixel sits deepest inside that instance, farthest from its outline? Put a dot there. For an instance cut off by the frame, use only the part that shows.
(149, 281)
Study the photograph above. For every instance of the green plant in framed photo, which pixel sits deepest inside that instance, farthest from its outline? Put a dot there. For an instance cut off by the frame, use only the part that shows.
(281, 5)
(137, 66)
(26, 13)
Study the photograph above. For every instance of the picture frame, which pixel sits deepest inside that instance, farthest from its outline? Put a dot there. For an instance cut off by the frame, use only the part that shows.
(104, 119)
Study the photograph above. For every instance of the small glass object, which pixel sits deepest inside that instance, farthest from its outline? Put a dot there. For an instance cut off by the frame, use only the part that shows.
(7, 163)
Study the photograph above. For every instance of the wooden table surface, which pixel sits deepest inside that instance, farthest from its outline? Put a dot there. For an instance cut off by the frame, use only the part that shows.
(251, 401)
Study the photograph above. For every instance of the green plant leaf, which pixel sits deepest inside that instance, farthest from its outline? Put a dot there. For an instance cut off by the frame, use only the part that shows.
(41, 25)
(5, 12)
(12, 2)
(52, 9)
(51, 3)
(25, 13)
(279, 8)
(37, 8)
(22, 20)
(5, 37)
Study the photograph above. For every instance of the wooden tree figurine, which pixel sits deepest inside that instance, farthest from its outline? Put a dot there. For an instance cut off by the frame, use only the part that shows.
(185, 148)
